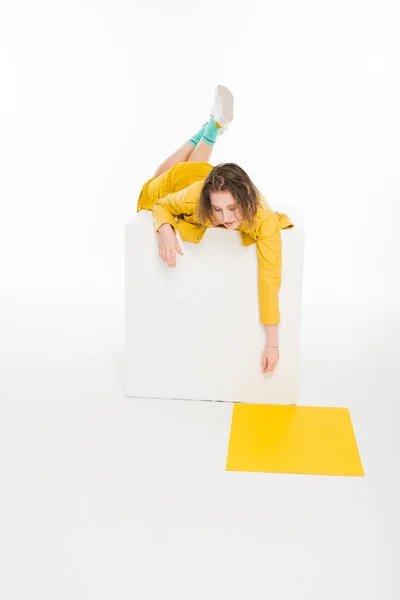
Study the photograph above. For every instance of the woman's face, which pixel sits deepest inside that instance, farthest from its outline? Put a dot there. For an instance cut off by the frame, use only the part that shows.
(226, 209)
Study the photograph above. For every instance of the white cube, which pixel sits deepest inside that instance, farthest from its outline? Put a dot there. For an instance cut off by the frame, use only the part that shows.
(193, 332)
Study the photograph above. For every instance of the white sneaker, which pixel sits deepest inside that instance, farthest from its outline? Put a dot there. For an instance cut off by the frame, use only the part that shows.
(222, 108)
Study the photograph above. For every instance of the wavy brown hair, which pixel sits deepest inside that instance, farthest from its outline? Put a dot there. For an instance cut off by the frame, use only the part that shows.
(231, 177)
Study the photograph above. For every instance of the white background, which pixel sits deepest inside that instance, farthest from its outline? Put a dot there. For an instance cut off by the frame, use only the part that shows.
(94, 95)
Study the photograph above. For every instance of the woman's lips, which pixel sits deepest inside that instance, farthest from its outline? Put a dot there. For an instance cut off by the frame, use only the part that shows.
(231, 223)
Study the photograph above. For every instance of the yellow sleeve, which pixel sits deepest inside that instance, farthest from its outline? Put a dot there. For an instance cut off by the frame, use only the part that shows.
(165, 210)
(269, 252)
(170, 206)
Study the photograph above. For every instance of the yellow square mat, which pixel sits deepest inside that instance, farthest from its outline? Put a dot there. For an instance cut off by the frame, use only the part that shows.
(293, 439)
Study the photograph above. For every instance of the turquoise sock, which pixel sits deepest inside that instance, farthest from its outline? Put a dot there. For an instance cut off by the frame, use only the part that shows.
(197, 136)
(211, 132)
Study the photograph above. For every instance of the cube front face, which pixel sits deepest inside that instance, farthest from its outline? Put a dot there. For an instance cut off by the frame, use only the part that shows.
(193, 332)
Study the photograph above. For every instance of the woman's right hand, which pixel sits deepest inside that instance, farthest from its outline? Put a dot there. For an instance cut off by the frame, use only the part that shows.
(168, 245)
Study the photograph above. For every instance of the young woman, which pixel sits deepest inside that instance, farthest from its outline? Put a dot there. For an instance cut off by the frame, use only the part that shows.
(189, 194)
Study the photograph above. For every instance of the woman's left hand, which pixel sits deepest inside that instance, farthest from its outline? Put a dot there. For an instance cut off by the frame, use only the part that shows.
(270, 359)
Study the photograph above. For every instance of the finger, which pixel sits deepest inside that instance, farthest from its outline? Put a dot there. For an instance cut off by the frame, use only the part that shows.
(171, 258)
(178, 247)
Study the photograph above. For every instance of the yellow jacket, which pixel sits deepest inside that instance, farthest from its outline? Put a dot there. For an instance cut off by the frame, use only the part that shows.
(178, 209)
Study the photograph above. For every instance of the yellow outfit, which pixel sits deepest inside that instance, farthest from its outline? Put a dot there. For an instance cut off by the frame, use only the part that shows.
(172, 196)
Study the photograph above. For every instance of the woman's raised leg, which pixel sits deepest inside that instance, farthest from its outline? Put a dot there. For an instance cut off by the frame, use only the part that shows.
(180, 155)
(201, 153)
(200, 146)
(197, 149)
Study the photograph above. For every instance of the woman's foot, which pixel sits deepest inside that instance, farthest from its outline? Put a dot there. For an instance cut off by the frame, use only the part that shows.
(221, 114)
(221, 131)
(211, 131)
(222, 108)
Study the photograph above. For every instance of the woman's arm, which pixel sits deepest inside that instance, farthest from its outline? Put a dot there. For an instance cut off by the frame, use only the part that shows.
(271, 335)
(173, 205)
(164, 212)
(269, 251)
(166, 209)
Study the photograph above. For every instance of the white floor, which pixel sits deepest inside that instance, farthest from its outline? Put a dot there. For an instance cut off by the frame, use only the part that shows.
(105, 497)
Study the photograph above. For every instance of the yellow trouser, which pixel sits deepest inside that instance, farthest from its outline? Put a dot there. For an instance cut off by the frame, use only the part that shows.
(174, 179)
